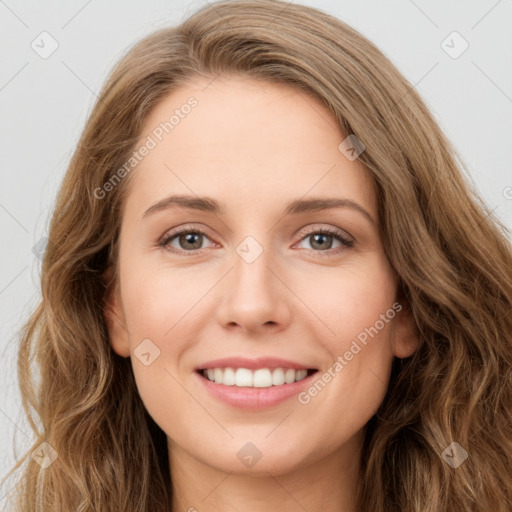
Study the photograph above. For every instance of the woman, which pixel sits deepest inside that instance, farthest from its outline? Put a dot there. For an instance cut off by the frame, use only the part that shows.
(265, 368)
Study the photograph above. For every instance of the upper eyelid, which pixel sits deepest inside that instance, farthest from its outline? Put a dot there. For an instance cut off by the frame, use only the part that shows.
(314, 226)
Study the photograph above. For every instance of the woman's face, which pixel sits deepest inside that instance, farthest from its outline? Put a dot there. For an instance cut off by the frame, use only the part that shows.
(262, 290)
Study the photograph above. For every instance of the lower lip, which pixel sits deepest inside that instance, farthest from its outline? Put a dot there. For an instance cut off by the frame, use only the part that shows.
(254, 398)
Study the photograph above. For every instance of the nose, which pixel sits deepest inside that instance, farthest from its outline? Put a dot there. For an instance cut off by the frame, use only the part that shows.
(254, 295)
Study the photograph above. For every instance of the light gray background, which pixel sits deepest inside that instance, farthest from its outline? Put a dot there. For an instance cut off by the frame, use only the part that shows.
(44, 104)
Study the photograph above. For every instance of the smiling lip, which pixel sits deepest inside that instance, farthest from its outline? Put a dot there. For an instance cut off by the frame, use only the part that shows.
(251, 398)
(252, 364)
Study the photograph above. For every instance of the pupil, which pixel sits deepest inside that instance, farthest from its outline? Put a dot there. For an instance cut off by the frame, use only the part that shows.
(189, 238)
(321, 246)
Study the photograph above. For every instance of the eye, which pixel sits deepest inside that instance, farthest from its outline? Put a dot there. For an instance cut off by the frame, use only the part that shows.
(191, 240)
(322, 239)
(188, 240)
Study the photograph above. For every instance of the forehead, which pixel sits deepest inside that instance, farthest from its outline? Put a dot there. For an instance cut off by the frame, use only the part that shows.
(241, 140)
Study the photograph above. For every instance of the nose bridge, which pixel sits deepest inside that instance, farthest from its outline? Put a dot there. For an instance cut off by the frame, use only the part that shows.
(252, 294)
(251, 274)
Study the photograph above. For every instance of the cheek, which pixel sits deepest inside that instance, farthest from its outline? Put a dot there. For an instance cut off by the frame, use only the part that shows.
(157, 308)
(159, 303)
(358, 309)
(349, 301)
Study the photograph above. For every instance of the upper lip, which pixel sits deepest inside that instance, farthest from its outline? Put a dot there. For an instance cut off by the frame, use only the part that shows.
(253, 364)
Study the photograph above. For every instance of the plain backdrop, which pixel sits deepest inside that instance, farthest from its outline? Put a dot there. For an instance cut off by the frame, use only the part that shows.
(45, 100)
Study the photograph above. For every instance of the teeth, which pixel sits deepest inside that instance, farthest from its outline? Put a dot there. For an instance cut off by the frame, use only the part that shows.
(289, 376)
(260, 378)
(278, 377)
(229, 377)
(243, 377)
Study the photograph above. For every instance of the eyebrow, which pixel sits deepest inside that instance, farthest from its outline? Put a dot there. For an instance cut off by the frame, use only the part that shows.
(210, 205)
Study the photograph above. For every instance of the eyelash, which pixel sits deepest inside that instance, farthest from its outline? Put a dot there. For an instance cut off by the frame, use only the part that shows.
(346, 242)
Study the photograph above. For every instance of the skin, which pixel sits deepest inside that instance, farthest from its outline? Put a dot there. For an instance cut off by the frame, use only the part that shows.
(254, 147)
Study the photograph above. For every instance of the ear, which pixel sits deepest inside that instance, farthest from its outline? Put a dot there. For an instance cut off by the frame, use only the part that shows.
(114, 315)
(406, 339)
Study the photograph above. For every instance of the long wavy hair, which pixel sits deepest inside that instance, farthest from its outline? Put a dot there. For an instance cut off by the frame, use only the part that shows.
(452, 257)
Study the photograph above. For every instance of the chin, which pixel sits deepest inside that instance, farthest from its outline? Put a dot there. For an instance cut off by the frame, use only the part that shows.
(256, 458)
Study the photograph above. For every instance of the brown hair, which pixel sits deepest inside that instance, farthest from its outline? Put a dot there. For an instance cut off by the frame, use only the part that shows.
(450, 253)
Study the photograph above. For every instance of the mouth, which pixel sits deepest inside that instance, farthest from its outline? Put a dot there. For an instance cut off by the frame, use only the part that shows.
(255, 378)
(253, 383)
